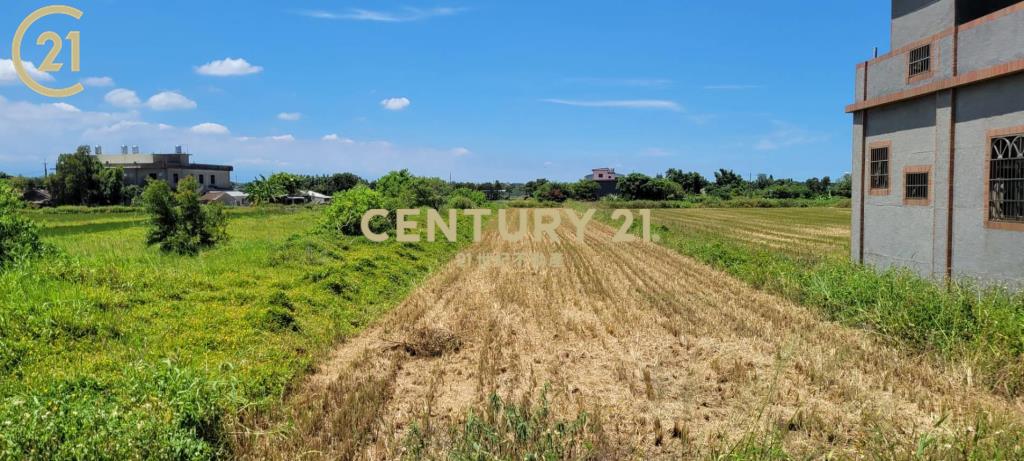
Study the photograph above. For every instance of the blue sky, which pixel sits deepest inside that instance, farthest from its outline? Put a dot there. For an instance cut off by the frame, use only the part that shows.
(480, 90)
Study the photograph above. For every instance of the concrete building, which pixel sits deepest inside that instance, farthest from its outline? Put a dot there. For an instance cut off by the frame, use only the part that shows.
(606, 178)
(227, 197)
(938, 143)
(168, 167)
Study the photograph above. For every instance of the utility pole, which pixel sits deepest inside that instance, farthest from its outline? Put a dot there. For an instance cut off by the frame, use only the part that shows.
(46, 169)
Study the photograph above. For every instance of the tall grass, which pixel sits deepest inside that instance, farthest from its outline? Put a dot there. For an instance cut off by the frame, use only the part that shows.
(112, 350)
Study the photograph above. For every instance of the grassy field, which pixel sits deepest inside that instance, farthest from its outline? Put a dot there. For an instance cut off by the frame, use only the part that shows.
(745, 334)
(798, 232)
(110, 349)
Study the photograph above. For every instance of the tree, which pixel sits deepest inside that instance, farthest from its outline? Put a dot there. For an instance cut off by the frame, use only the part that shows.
(727, 178)
(178, 223)
(464, 198)
(76, 180)
(843, 187)
(286, 182)
(660, 189)
(345, 213)
(111, 183)
(19, 237)
(692, 182)
(262, 191)
(551, 192)
(338, 182)
(531, 186)
(584, 189)
(631, 186)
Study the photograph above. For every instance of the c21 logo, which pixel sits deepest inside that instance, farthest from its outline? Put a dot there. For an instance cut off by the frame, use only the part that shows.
(50, 63)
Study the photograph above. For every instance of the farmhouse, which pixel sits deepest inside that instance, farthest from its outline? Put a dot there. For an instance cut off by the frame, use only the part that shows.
(606, 179)
(167, 167)
(938, 143)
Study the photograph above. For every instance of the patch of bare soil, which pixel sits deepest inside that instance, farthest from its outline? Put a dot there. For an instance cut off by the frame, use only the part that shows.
(673, 356)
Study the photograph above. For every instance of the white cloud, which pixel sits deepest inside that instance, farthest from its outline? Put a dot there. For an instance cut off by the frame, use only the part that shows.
(289, 116)
(632, 82)
(731, 87)
(169, 100)
(788, 135)
(285, 138)
(122, 98)
(407, 14)
(654, 104)
(8, 75)
(228, 67)
(98, 81)
(461, 151)
(210, 128)
(66, 107)
(395, 103)
(335, 138)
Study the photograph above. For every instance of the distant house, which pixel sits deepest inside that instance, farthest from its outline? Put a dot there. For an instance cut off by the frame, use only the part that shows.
(171, 168)
(316, 197)
(226, 197)
(606, 179)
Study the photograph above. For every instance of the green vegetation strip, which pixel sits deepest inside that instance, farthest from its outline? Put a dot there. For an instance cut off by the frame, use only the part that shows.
(110, 349)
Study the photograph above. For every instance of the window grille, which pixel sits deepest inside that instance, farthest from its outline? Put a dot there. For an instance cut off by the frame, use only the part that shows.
(1006, 179)
(880, 168)
(920, 60)
(917, 186)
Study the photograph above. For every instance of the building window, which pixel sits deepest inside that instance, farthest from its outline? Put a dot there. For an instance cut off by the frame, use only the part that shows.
(175, 178)
(880, 169)
(921, 60)
(213, 180)
(917, 186)
(1006, 179)
(200, 179)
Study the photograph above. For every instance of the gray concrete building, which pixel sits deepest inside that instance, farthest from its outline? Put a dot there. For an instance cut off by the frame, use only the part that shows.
(169, 167)
(938, 143)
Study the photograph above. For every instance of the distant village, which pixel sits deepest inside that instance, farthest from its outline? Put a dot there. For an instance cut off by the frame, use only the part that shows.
(119, 178)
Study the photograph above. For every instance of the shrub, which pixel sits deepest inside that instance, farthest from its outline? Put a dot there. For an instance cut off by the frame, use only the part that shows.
(461, 203)
(345, 213)
(178, 223)
(474, 197)
(19, 237)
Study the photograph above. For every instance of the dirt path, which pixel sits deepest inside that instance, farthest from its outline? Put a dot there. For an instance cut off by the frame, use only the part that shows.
(634, 333)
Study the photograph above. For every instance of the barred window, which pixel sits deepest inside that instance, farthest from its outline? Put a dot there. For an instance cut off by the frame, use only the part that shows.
(916, 186)
(920, 60)
(1006, 179)
(880, 168)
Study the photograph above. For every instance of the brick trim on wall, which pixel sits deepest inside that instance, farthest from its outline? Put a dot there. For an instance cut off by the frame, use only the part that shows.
(867, 169)
(958, 80)
(979, 75)
(989, 223)
(931, 185)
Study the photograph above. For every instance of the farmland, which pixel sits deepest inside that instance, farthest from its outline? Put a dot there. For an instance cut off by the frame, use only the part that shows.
(628, 351)
(286, 341)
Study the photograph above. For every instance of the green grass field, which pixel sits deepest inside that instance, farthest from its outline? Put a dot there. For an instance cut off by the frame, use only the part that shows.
(110, 349)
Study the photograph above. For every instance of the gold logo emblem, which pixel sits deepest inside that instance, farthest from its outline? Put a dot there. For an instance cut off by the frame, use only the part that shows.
(49, 64)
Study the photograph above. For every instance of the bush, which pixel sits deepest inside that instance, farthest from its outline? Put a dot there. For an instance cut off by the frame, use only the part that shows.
(465, 195)
(461, 203)
(345, 213)
(179, 224)
(19, 237)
